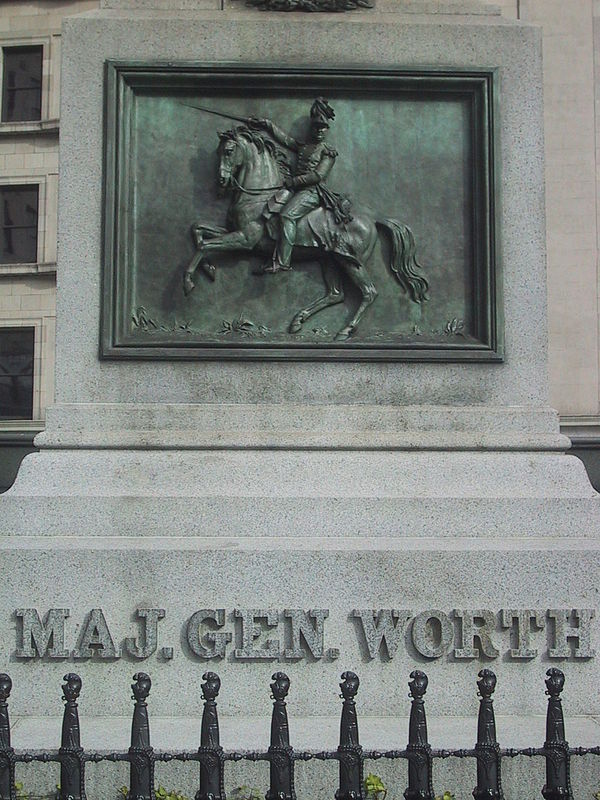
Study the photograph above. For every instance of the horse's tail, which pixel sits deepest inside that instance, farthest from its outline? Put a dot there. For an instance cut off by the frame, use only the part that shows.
(403, 263)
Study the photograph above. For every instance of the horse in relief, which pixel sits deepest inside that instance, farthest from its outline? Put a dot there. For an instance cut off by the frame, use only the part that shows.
(253, 168)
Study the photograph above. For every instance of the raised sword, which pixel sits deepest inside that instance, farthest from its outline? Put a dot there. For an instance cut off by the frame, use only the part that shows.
(245, 120)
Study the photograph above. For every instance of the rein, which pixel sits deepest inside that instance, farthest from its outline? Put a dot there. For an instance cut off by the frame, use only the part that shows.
(239, 186)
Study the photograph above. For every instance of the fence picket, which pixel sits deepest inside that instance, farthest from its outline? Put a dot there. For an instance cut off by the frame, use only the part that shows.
(487, 750)
(72, 768)
(281, 755)
(558, 778)
(420, 769)
(350, 756)
(141, 754)
(7, 754)
(210, 752)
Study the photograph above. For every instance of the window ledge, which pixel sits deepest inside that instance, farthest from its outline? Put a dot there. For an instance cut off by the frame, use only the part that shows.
(27, 269)
(49, 126)
(19, 431)
(583, 432)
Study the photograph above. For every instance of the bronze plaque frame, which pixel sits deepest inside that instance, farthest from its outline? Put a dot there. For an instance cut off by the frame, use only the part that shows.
(125, 336)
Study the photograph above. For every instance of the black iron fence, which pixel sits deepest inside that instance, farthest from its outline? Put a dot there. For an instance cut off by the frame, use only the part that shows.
(281, 757)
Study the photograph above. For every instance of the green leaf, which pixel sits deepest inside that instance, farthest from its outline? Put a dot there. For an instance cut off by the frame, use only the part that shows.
(245, 792)
(164, 794)
(20, 791)
(374, 786)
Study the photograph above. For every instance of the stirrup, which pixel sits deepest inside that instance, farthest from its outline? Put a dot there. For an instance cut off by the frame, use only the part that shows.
(272, 266)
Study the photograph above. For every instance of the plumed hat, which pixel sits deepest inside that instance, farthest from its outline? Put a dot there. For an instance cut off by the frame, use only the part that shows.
(321, 112)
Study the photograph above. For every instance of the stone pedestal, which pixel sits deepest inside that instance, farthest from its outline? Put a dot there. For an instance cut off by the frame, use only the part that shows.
(335, 486)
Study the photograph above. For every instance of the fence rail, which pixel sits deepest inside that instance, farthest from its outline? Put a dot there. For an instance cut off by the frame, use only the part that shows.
(281, 756)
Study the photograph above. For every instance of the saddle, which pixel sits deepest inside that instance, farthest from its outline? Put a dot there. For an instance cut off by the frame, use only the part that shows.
(324, 228)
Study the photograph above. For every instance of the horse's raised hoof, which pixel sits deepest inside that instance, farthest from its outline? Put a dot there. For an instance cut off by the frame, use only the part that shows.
(188, 284)
(344, 334)
(209, 270)
(296, 324)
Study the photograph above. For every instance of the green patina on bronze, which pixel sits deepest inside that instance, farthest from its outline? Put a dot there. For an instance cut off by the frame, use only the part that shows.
(258, 169)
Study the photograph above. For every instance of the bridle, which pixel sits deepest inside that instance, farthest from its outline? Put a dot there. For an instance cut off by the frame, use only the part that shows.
(241, 188)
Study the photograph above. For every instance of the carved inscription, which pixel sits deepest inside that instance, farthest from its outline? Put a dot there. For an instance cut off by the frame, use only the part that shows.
(42, 638)
(382, 627)
(293, 634)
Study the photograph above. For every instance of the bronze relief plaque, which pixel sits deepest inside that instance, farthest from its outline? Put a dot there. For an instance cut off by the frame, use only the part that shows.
(302, 213)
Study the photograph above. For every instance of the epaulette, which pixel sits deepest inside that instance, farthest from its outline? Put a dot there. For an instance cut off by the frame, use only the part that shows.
(329, 151)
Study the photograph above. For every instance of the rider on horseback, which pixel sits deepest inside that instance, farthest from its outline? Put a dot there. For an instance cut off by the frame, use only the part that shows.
(314, 162)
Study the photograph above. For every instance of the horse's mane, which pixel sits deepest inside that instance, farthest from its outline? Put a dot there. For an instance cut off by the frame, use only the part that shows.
(261, 143)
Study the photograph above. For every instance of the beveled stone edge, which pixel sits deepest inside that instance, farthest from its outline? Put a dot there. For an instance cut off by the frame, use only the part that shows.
(296, 426)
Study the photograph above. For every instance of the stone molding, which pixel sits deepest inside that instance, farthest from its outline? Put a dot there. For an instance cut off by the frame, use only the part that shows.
(462, 8)
(296, 426)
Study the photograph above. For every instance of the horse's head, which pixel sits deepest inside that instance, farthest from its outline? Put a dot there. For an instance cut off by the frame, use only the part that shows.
(231, 157)
(243, 151)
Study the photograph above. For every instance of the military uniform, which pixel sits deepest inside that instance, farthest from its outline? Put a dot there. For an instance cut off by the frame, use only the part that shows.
(314, 163)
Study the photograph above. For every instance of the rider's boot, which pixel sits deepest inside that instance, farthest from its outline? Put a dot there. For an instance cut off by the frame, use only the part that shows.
(282, 255)
(274, 265)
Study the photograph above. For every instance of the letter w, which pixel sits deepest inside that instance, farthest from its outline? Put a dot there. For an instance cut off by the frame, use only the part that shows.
(381, 626)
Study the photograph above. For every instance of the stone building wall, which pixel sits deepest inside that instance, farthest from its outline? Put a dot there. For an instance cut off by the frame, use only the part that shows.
(571, 42)
(571, 37)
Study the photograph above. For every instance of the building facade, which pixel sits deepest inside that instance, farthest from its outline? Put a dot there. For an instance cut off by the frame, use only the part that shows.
(30, 50)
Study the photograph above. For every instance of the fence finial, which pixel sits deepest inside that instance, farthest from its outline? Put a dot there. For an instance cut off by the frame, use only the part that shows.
(350, 755)
(487, 750)
(70, 728)
(558, 767)
(210, 752)
(281, 762)
(141, 760)
(420, 771)
(72, 780)
(280, 732)
(7, 764)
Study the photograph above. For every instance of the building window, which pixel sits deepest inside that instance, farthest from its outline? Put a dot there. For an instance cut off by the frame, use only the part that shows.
(22, 83)
(18, 224)
(16, 373)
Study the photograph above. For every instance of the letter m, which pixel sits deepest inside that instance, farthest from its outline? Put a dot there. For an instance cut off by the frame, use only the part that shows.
(42, 638)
